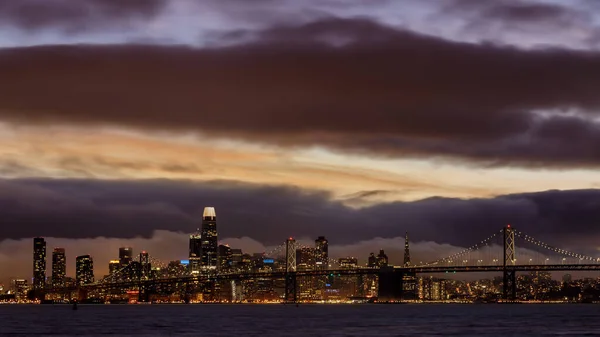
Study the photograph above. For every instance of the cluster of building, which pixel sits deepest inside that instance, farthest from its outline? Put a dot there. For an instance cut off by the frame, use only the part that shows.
(206, 257)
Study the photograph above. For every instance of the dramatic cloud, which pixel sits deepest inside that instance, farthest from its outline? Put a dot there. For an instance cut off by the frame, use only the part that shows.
(76, 16)
(382, 91)
(572, 24)
(127, 209)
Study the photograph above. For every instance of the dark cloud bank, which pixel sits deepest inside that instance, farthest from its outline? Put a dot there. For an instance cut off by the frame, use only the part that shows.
(347, 84)
(269, 214)
(77, 16)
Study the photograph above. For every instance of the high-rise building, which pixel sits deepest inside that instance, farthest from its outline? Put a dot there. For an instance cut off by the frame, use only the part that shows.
(145, 266)
(305, 259)
(59, 267)
(20, 288)
(225, 259)
(84, 270)
(195, 254)
(382, 259)
(406, 251)
(372, 261)
(39, 263)
(209, 239)
(125, 256)
(321, 253)
(113, 267)
(348, 262)
(236, 257)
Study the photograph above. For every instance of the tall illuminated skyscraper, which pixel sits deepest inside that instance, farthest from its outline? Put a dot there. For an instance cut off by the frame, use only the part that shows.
(209, 239)
(39, 263)
(59, 267)
(321, 253)
(195, 256)
(113, 267)
(125, 256)
(84, 270)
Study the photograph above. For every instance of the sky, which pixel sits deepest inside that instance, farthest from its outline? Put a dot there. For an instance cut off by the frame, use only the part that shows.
(358, 120)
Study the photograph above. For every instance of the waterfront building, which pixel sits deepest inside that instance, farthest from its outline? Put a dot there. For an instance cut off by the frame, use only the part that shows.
(195, 252)
(225, 258)
(39, 263)
(84, 270)
(321, 253)
(59, 267)
(209, 239)
(20, 288)
(382, 259)
(125, 256)
(113, 267)
(348, 262)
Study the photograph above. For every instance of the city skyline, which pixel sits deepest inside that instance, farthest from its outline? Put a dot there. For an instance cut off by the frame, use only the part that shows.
(359, 123)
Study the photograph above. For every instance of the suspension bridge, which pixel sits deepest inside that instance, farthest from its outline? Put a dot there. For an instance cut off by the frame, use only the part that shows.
(506, 252)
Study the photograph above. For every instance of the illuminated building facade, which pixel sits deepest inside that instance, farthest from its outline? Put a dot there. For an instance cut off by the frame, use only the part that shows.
(113, 267)
(125, 256)
(59, 267)
(236, 258)
(195, 252)
(305, 261)
(348, 262)
(84, 270)
(224, 258)
(382, 259)
(20, 288)
(39, 263)
(209, 239)
(321, 253)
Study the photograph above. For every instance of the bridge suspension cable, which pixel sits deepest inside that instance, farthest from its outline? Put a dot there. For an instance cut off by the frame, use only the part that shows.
(465, 252)
(563, 252)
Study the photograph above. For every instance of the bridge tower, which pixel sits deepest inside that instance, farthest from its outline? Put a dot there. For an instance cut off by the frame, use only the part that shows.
(508, 270)
(290, 270)
(406, 251)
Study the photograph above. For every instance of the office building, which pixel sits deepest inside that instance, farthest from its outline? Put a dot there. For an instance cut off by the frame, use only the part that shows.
(20, 288)
(125, 256)
(59, 267)
(209, 239)
(39, 263)
(195, 252)
(382, 259)
(113, 267)
(348, 263)
(225, 257)
(84, 270)
(321, 253)
(236, 257)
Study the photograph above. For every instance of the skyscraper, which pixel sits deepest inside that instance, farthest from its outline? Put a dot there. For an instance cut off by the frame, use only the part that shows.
(305, 259)
(209, 239)
(84, 270)
(125, 256)
(39, 263)
(382, 259)
(406, 251)
(321, 253)
(59, 267)
(225, 258)
(113, 267)
(195, 256)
